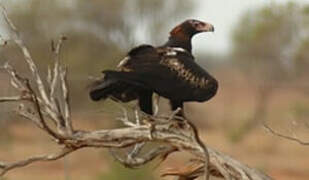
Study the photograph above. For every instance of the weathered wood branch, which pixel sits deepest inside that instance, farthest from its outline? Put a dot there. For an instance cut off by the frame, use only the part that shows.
(46, 105)
(11, 99)
(18, 164)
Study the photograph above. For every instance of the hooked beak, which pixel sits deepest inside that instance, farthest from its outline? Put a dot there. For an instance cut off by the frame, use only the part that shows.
(205, 27)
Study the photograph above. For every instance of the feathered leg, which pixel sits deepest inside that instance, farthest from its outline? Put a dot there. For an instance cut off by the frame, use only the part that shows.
(145, 101)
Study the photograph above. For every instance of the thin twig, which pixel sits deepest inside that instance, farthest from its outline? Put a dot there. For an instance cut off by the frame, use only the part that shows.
(125, 119)
(136, 150)
(156, 105)
(32, 66)
(138, 147)
(174, 113)
(20, 84)
(56, 70)
(16, 80)
(66, 101)
(27, 55)
(40, 113)
(137, 162)
(51, 157)
(12, 99)
(202, 145)
(269, 129)
(30, 116)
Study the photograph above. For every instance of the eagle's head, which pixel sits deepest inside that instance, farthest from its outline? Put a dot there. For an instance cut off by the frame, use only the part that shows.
(189, 28)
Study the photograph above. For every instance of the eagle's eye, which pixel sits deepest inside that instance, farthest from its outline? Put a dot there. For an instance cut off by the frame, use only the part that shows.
(196, 23)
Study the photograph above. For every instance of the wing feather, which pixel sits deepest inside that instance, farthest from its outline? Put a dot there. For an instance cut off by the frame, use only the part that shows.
(172, 73)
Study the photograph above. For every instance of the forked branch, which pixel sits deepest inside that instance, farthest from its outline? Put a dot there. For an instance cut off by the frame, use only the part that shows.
(47, 105)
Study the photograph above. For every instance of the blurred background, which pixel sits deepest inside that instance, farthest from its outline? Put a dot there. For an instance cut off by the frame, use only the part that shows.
(259, 54)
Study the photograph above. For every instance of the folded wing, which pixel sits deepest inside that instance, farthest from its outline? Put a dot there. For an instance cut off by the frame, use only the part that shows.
(170, 72)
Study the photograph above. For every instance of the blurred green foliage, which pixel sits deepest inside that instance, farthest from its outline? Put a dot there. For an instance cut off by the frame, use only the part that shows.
(302, 58)
(118, 172)
(300, 111)
(270, 47)
(270, 42)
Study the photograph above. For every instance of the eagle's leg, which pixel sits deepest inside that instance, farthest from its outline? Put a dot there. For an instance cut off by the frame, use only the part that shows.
(145, 101)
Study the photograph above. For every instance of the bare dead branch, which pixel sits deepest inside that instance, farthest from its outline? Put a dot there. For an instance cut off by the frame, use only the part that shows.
(19, 83)
(26, 54)
(29, 115)
(40, 113)
(156, 104)
(47, 105)
(140, 161)
(50, 107)
(136, 150)
(55, 76)
(5, 167)
(16, 80)
(66, 100)
(138, 147)
(189, 172)
(125, 119)
(11, 99)
(294, 139)
(127, 136)
(202, 145)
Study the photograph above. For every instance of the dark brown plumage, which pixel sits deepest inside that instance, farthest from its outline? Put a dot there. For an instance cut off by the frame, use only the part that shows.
(168, 70)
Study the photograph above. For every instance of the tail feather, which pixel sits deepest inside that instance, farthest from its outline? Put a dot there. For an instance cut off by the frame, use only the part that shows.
(116, 86)
(102, 89)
